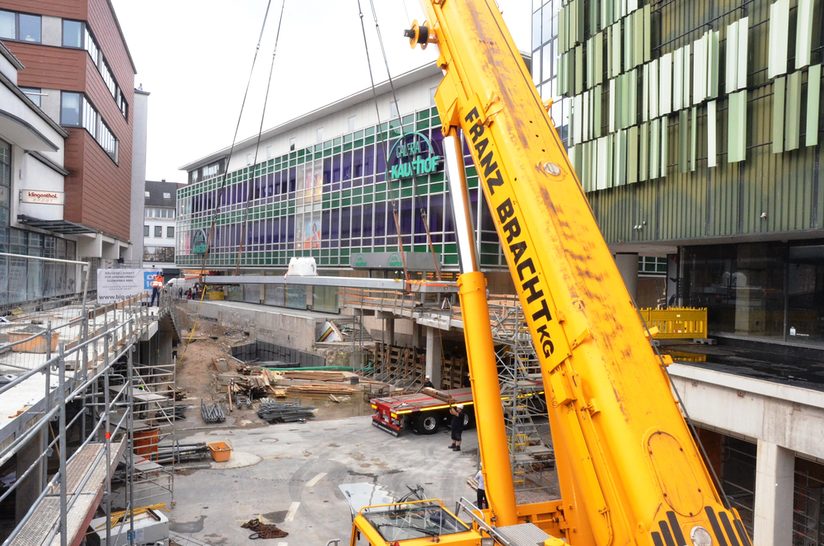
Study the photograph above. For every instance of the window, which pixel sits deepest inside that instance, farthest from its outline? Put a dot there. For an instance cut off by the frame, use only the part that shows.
(70, 109)
(29, 28)
(34, 93)
(145, 230)
(158, 231)
(5, 183)
(74, 107)
(146, 194)
(77, 34)
(8, 25)
(167, 195)
(72, 33)
(20, 26)
(170, 232)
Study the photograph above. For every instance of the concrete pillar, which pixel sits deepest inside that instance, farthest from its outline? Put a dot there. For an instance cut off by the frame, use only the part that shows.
(774, 485)
(434, 356)
(30, 487)
(416, 335)
(389, 327)
(627, 263)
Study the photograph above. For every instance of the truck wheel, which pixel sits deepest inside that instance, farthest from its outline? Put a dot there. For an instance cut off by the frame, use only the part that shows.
(427, 423)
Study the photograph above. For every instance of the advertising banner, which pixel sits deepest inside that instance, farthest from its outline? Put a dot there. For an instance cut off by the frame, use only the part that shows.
(117, 284)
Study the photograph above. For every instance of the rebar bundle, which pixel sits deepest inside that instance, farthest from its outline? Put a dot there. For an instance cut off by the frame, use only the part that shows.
(284, 412)
(212, 413)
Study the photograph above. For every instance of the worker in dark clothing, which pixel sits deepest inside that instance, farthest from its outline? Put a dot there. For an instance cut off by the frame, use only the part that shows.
(457, 413)
(427, 383)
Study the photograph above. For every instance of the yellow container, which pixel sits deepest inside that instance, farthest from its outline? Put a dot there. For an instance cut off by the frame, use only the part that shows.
(215, 295)
(221, 451)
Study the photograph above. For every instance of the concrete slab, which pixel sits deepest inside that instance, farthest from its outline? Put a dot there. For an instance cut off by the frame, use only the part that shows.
(295, 483)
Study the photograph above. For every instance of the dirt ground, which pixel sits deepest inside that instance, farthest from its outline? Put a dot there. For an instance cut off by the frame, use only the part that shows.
(205, 341)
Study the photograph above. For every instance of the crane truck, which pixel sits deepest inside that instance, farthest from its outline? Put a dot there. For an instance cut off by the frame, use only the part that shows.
(629, 469)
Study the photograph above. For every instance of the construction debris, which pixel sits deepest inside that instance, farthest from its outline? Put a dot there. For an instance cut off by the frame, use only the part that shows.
(212, 413)
(440, 395)
(319, 388)
(284, 412)
(263, 530)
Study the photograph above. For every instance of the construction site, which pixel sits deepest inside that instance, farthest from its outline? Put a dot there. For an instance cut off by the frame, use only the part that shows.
(520, 293)
(136, 405)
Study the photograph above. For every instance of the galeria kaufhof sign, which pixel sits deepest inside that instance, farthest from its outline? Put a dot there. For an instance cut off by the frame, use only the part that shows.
(413, 155)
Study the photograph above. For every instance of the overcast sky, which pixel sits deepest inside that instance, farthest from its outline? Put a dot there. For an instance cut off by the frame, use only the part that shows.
(194, 57)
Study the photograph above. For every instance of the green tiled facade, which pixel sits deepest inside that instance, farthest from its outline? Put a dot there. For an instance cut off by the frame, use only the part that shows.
(328, 201)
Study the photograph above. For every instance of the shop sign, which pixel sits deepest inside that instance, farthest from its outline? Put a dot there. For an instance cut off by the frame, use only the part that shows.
(42, 197)
(199, 244)
(413, 155)
(415, 261)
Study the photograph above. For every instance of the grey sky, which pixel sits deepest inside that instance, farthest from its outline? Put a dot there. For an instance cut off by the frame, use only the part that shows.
(194, 56)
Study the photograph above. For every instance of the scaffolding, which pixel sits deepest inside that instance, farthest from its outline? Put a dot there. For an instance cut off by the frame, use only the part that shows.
(519, 370)
(70, 401)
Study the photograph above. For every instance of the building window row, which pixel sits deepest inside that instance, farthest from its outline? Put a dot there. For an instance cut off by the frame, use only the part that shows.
(77, 34)
(152, 212)
(159, 254)
(77, 111)
(158, 231)
(20, 26)
(207, 171)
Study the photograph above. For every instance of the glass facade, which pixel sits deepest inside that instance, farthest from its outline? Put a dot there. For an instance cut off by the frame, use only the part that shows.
(21, 279)
(771, 289)
(330, 201)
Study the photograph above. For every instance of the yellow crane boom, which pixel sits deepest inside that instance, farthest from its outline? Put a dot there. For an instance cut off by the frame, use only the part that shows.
(629, 469)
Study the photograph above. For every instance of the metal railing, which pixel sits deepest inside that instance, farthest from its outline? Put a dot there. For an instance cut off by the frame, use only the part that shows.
(82, 354)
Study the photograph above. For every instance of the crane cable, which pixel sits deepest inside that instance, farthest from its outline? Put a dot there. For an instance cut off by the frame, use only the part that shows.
(395, 212)
(222, 186)
(249, 191)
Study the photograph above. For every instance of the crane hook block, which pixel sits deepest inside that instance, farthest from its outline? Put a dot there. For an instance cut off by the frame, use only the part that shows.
(419, 35)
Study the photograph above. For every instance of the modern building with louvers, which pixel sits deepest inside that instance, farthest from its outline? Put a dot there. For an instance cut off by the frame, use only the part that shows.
(695, 128)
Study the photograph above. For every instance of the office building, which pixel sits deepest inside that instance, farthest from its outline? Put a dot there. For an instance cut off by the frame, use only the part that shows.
(695, 128)
(159, 224)
(75, 67)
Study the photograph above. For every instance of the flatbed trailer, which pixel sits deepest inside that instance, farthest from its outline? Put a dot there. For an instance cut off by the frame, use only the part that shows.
(425, 414)
(420, 412)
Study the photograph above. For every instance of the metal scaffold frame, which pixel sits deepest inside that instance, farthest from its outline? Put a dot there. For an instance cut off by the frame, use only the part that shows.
(519, 370)
(82, 417)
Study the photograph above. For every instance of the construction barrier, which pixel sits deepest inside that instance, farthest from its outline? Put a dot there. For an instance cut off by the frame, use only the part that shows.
(676, 322)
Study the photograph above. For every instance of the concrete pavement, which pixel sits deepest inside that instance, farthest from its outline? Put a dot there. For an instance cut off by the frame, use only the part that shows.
(289, 474)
